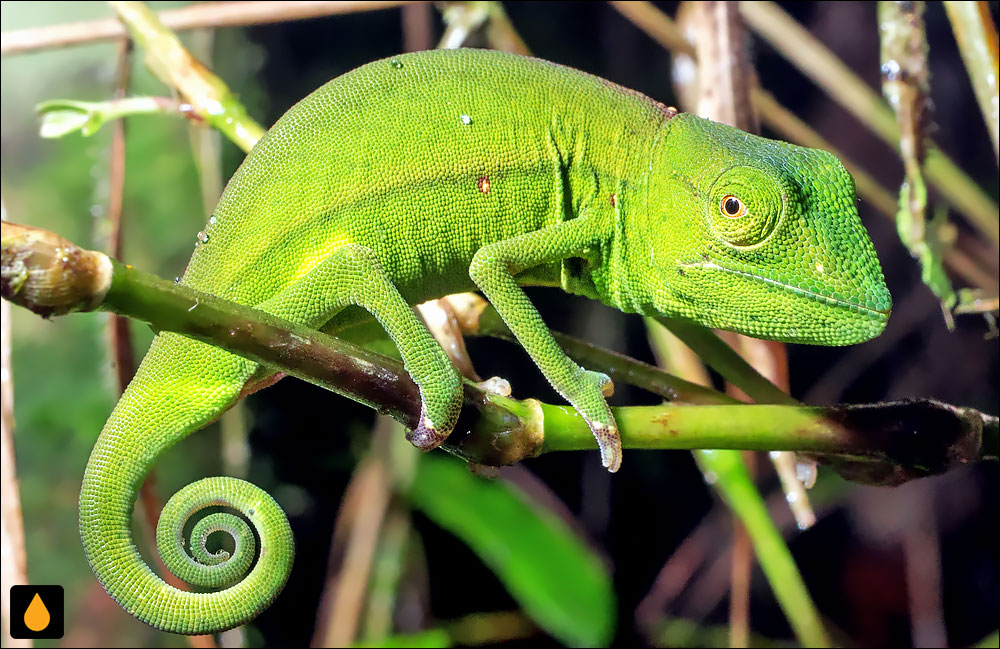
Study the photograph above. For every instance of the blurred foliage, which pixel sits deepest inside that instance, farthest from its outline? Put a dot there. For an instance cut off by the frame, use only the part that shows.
(546, 567)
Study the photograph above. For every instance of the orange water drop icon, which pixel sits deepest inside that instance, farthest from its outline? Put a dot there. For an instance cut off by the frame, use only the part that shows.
(36, 617)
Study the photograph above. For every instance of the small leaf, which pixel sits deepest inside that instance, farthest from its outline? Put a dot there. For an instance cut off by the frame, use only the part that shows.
(546, 567)
(61, 117)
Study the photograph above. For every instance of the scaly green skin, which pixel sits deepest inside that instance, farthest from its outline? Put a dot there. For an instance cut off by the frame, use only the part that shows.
(446, 171)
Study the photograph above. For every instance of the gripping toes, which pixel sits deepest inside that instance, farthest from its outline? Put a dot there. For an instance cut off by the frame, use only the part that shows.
(440, 402)
(426, 436)
(589, 401)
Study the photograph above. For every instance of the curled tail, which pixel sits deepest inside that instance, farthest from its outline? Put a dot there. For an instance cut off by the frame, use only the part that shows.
(170, 398)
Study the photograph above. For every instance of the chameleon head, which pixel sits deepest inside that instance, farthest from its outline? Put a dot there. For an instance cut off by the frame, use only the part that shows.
(764, 238)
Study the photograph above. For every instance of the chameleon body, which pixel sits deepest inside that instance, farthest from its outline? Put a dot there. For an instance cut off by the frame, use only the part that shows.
(445, 171)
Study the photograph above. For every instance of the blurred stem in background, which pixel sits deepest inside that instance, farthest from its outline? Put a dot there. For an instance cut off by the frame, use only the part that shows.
(906, 86)
(977, 41)
(13, 558)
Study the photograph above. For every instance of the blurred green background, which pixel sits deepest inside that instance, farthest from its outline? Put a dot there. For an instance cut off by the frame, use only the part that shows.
(304, 443)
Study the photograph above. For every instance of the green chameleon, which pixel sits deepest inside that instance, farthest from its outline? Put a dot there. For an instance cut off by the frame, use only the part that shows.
(445, 171)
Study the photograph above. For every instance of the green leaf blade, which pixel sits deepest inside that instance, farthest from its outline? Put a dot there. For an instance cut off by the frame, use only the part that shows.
(546, 567)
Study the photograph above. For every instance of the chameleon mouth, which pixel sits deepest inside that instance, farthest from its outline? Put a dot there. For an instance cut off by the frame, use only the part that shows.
(881, 315)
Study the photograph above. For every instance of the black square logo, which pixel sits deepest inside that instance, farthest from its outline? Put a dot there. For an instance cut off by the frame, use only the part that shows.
(36, 612)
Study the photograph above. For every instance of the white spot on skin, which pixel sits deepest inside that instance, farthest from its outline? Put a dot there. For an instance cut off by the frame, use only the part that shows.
(819, 268)
(466, 119)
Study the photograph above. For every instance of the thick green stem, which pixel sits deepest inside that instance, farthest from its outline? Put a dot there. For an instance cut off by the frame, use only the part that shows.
(896, 441)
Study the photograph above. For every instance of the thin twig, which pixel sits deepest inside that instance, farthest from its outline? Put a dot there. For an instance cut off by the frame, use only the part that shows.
(977, 41)
(14, 562)
(355, 537)
(169, 60)
(418, 26)
(922, 558)
(204, 14)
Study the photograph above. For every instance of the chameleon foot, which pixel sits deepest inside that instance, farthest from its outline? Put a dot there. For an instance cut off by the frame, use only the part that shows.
(610, 444)
(426, 437)
(590, 391)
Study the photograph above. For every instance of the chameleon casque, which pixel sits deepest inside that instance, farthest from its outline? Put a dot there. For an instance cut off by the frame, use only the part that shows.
(446, 171)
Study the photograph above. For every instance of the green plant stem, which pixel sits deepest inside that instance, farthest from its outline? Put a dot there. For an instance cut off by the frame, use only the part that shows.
(728, 472)
(723, 359)
(739, 491)
(618, 366)
(51, 276)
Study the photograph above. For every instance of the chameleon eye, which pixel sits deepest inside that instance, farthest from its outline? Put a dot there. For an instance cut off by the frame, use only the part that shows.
(733, 207)
(746, 206)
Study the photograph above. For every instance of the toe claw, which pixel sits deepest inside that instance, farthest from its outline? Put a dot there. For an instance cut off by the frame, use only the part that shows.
(425, 436)
(610, 444)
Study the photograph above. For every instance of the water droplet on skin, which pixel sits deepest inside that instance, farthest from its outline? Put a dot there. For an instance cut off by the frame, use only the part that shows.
(396, 63)
(202, 237)
(177, 280)
(465, 119)
(211, 220)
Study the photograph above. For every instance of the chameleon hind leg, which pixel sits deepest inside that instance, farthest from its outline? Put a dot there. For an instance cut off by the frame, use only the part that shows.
(353, 276)
(493, 269)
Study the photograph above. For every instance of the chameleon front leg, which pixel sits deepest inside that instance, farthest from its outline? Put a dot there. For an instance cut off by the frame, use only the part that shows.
(493, 269)
(353, 275)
